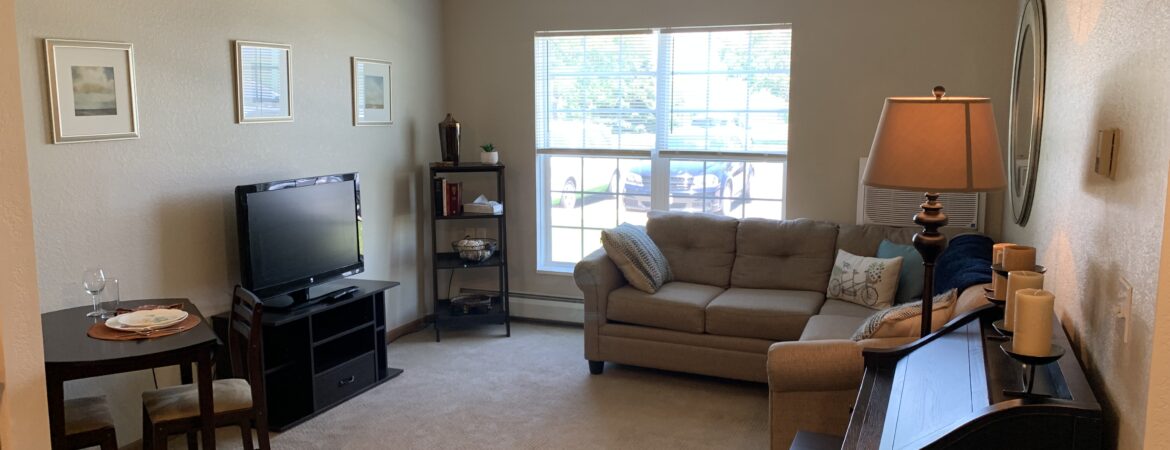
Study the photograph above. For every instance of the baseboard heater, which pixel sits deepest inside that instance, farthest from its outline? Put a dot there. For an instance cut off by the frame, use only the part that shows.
(541, 307)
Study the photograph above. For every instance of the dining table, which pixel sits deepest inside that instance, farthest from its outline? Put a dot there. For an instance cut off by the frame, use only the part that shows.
(71, 354)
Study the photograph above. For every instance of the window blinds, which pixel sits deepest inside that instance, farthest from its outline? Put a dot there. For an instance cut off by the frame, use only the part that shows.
(692, 89)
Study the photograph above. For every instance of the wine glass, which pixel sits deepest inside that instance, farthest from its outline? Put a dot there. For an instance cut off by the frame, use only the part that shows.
(93, 281)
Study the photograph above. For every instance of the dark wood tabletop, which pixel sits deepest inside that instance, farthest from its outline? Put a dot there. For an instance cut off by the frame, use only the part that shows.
(71, 354)
(66, 341)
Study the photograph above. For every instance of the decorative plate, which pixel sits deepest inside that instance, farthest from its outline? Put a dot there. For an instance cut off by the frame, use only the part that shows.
(147, 319)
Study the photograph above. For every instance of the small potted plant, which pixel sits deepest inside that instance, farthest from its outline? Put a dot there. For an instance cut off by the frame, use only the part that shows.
(489, 154)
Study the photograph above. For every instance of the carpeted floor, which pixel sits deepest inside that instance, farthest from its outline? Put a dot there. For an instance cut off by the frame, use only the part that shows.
(479, 390)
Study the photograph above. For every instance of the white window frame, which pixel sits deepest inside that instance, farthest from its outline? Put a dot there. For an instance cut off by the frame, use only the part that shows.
(659, 157)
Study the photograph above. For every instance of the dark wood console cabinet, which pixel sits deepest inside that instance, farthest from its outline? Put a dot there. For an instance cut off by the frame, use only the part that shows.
(952, 390)
(318, 356)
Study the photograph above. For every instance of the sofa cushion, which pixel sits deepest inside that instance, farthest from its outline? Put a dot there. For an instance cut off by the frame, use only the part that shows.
(762, 313)
(864, 280)
(863, 240)
(676, 306)
(834, 307)
(827, 326)
(636, 256)
(700, 248)
(784, 254)
(911, 276)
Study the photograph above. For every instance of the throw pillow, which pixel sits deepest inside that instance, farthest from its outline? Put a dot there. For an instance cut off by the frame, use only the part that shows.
(910, 276)
(906, 320)
(863, 280)
(637, 257)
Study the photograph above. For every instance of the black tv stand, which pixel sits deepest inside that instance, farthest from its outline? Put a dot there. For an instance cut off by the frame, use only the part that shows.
(301, 298)
(322, 352)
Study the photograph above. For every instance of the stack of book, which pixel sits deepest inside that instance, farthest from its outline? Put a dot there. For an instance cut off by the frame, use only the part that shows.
(448, 199)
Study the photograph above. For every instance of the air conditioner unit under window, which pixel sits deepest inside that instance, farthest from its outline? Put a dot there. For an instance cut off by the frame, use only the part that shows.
(894, 207)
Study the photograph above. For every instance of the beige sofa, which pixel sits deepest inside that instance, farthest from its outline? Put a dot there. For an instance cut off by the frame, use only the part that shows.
(747, 302)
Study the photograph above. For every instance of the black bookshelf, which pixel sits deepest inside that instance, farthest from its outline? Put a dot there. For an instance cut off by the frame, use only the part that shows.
(443, 259)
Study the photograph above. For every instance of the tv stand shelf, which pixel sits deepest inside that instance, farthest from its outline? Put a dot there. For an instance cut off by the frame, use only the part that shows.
(323, 354)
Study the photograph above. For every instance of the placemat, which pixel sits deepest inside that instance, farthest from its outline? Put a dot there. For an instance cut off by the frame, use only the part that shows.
(101, 331)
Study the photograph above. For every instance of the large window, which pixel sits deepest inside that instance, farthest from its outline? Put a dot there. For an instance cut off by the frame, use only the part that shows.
(691, 119)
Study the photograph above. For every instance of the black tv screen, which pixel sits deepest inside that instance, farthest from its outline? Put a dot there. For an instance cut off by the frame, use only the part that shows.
(298, 233)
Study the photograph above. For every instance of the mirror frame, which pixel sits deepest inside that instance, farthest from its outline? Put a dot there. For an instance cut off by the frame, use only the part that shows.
(1031, 20)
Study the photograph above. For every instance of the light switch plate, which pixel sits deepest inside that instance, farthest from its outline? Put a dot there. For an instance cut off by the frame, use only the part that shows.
(1105, 163)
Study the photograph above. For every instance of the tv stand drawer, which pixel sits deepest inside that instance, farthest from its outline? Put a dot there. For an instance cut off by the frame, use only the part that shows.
(342, 381)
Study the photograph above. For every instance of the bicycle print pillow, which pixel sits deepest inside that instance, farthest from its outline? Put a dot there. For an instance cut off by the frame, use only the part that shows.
(863, 280)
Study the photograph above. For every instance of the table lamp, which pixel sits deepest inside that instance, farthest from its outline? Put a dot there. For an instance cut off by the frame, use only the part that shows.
(935, 144)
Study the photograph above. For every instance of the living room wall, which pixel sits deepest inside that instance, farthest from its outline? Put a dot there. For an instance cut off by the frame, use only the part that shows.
(24, 419)
(1107, 68)
(158, 212)
(848, 55)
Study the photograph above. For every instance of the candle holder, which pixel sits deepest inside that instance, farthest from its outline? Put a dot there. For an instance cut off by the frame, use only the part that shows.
(998, 268)
(1000, 302)
(1001, 329)
(1028, 376)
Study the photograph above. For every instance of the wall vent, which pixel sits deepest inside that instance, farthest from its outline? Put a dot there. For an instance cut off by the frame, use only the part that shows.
(893, 207)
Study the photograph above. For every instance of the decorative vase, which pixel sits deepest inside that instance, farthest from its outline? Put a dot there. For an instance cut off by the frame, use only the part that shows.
(449, 139)
(489, 157)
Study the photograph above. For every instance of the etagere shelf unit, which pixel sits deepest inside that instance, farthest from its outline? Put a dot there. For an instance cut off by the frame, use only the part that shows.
(444, 261)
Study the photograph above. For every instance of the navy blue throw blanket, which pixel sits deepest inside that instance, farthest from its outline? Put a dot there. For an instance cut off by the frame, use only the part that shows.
(965, 263)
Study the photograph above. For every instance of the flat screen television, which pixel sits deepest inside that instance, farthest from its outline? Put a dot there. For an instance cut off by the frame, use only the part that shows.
(296, 234)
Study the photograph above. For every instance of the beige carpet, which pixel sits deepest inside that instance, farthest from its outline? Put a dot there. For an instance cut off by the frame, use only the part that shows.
(479, 390)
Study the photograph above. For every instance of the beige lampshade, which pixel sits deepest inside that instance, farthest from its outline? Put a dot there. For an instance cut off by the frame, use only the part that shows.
(936, 145)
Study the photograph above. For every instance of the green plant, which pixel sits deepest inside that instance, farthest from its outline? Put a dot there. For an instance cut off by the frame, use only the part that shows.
(488, 147)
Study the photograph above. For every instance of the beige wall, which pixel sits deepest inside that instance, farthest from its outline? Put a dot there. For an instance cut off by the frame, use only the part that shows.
(24, 421)
(1107, 67)
(848, 55)
(1158, 408)
(158, 212)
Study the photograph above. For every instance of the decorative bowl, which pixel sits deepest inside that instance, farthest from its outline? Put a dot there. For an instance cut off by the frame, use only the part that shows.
(475, 249)
(471, 304)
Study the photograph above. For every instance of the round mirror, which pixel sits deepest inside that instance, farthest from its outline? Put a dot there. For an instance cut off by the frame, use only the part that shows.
(1027, 110)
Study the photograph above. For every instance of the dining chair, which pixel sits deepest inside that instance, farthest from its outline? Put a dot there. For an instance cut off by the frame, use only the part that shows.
(88, 423)
(238, 400)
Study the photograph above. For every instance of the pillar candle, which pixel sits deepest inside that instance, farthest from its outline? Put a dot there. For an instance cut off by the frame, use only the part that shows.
(1016, 280)
(1033, 334)
(1019, 257)
(997, 252)
(998, 282)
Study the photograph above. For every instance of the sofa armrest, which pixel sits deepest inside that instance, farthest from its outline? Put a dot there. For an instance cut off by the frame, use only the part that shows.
(596, 275)
(824, 365)
(814, 385)
(814, 365)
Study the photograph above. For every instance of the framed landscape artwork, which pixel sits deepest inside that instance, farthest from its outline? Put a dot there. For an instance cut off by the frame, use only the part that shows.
(263, 82)
(91, 90)
(371, 92)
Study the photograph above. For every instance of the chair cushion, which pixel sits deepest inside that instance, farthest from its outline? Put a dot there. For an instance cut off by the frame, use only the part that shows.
(834, 307)
(181, 402)
(784, 254)
(636, 256)
(700, 248)
(866, 281)
(87, 414)
(676, 306)
(827, 326)
(762, 313)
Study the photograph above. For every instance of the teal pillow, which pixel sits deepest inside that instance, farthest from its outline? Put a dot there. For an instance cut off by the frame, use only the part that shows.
(910, 277)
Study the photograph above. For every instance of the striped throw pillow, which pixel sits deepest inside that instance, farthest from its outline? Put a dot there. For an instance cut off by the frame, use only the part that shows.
(905, 320)
(637, 257)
